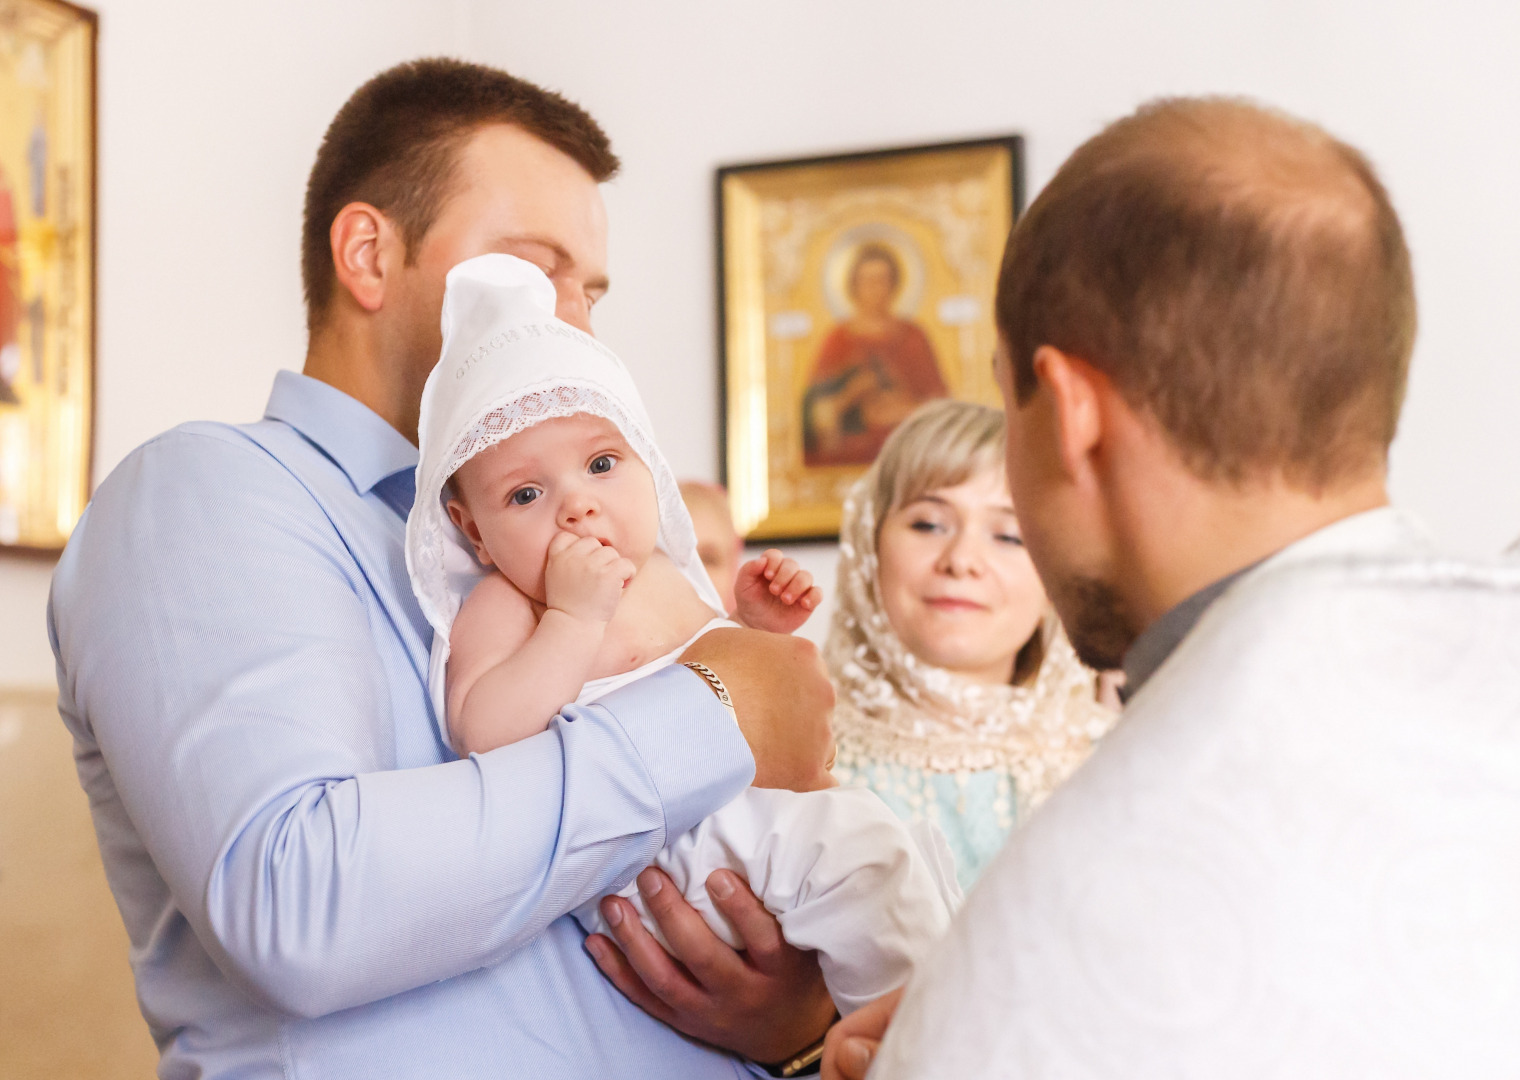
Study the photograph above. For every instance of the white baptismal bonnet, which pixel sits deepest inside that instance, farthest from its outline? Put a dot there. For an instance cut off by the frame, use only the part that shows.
(507, 364)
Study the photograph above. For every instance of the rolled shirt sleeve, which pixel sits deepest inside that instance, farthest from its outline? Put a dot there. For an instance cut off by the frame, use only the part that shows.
(221, 666)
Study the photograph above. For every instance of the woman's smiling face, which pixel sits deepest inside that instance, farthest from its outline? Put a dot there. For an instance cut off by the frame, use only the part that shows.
(956, 581)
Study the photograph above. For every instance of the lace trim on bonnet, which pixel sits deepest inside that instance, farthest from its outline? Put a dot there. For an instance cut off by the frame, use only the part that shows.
(551, 401)
(894, 707)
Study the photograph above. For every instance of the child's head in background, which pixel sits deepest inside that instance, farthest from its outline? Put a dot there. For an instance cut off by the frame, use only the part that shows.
(718, 542)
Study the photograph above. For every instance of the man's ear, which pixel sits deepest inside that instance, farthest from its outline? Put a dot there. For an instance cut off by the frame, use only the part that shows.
(362, 240)
(464, 521)
(1074, 392)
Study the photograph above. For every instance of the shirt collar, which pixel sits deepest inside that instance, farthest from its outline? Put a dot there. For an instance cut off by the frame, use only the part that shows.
(364, 446)
(1161, 638)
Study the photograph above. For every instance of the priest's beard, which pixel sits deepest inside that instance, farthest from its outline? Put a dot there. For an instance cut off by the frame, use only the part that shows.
(1099, 626)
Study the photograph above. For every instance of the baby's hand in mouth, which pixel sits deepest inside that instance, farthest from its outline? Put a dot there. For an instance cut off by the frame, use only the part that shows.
(585, 577)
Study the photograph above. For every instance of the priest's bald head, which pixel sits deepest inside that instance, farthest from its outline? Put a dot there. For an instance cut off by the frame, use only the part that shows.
(1205, 324)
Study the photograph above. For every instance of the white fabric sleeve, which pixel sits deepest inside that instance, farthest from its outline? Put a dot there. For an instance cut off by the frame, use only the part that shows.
(839, 870)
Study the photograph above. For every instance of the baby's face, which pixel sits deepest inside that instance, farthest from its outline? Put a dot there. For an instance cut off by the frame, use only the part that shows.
(576, 474)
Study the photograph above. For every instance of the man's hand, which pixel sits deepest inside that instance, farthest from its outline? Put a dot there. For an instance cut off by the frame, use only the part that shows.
(765, 1003)
(584, 578)
(853, 1042)
(782, 697)
(775, 594)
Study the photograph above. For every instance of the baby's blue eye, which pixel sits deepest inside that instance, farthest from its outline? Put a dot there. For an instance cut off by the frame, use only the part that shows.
(1009, 538)
(523, 496)
(925, 526)
(601, 464)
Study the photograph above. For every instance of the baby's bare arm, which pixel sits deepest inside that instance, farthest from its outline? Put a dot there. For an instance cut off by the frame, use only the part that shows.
(509, 674)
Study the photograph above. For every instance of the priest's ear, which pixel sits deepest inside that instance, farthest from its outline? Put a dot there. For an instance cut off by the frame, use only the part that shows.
(1074, 391)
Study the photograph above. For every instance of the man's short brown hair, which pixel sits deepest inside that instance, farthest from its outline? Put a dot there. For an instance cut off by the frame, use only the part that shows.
(1239, 275)
(394, 143)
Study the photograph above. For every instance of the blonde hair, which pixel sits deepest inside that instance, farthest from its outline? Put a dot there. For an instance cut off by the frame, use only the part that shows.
(942, 444)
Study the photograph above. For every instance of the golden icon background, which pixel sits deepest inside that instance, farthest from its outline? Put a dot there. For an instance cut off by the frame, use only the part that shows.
(47, 269)
(852, 288)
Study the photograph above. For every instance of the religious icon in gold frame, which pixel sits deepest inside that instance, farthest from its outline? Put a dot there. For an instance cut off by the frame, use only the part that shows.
(47, 269)
(852, 289)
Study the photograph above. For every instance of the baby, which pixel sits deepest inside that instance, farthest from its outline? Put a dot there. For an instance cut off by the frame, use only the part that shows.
(566, 511)
(552, 554)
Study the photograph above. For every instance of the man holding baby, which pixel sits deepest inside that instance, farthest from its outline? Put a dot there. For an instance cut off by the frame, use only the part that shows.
(313, 884)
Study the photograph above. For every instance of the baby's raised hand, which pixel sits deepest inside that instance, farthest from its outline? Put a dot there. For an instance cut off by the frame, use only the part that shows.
(775, 594)
(584, 578)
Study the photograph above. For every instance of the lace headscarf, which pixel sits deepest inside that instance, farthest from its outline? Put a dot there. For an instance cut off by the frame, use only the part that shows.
(893, 707)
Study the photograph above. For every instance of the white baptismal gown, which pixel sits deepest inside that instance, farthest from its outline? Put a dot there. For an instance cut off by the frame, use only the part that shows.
(839, 870)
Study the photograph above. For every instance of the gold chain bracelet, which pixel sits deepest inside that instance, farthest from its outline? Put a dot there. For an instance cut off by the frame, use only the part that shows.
(713, 681)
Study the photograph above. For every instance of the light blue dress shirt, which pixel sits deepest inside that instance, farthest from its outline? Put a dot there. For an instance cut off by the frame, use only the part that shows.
(314, 885)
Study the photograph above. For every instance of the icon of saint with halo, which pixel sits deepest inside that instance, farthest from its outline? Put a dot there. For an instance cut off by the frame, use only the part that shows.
(873, 369)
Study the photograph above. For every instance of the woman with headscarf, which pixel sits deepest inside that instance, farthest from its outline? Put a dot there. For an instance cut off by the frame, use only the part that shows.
(960, 701)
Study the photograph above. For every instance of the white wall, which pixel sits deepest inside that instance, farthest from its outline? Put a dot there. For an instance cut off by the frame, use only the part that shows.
(210, 115)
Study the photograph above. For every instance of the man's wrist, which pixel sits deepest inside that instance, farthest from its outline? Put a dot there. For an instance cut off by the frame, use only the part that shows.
(696, 763)
(710, 677)
(806, 1062)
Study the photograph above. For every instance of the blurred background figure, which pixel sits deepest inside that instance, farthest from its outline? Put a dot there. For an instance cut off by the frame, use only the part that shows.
(960, 700)
(718, 542)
